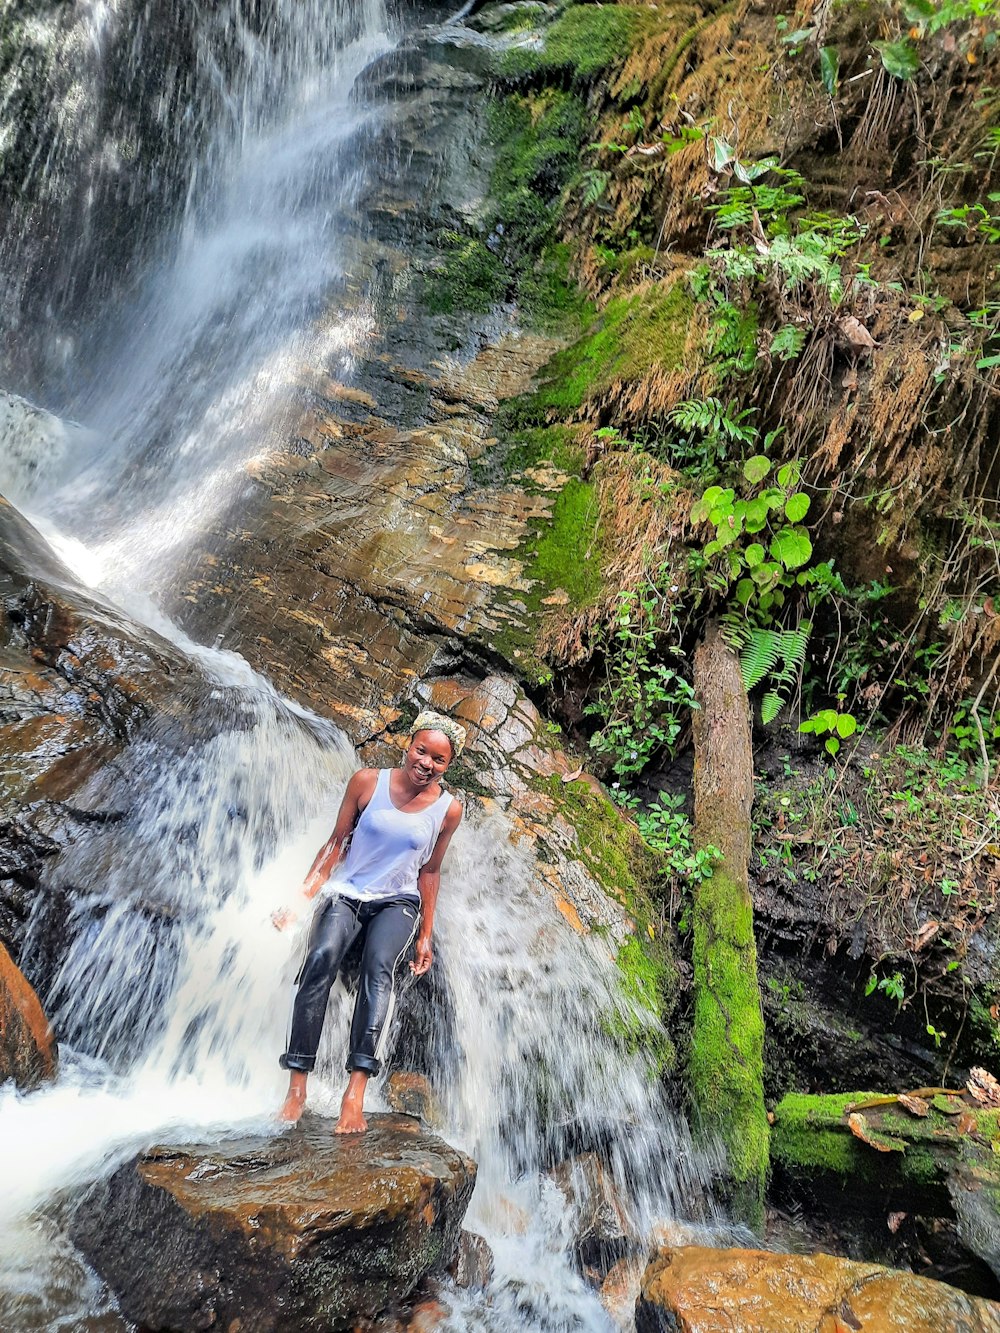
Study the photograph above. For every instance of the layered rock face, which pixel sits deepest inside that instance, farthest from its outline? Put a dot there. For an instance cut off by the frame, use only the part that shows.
(78, 685)
(300, 1231)
(699, 1290)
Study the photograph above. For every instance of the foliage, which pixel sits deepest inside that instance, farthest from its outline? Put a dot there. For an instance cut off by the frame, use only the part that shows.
(644, 701)
(833, 725)
(668, 830)
(770, 254)
(707, 431)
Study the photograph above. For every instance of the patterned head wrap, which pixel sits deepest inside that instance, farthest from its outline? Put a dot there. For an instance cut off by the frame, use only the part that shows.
(431, 721)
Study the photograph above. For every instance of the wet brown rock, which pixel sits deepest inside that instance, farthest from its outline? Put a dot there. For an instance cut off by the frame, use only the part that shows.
(473, 1266)
(602, 1228)
(78, 683)
(620, 1290)
(411, 1094)
(27, 1046)
(698, 1290)
(303, 1231)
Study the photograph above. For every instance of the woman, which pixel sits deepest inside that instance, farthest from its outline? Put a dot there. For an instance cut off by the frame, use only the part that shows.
(396, 825)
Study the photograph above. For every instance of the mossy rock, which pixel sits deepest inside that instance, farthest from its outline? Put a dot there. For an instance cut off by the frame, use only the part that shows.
(812, 1145)
(472, 278)
(562, 560)
(580, 46)
(612, 849)
(633, 336)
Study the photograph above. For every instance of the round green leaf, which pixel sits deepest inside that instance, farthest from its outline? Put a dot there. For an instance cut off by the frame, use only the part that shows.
(832, 745)
(756, 469)
(754, 554)
(792, 547)
(796, 507)
(756, 515)
(744, 591)
(847, 724)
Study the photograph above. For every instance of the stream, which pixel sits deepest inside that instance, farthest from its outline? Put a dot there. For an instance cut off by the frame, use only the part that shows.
(164, 388)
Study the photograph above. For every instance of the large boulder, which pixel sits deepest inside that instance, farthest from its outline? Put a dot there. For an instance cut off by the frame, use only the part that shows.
(303, 1231)
(27, 1045)
(693, 1289)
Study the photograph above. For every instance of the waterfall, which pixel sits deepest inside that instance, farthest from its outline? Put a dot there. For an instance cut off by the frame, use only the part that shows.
(183, 362)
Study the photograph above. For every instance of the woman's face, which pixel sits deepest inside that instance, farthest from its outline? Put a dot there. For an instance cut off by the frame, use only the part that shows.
(428, 757)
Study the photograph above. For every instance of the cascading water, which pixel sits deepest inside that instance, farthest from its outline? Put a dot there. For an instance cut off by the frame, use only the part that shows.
(171, 997)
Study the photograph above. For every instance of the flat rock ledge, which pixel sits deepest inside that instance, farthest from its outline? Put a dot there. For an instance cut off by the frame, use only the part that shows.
(302, 1231)
(693, 1289)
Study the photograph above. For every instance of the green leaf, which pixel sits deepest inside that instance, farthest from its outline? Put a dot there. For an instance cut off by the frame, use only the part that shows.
(753, 555)
(829, 68)
(788, 475)
(899, 58)
(831, 745)
(792, 547)
(796, 507)
(988, 362)
(919, 11)
(756, 515)
(764, 575)
(722, 154)
(756, 469)
(744, 591)
(786, 344)
(847, 725)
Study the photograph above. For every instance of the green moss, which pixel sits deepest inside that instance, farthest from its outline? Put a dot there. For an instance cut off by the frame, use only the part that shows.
(610, 846)
(550, 300)
(633, 335)
(649, 985)
(614, 853)
(811, 1140)
(568, 554)
(562, 553)
(535, 446)
(537, 140)
(581, 44)
(472, 278)
(727, 1040)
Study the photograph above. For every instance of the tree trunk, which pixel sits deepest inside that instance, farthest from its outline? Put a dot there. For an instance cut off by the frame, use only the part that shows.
(726, 1067)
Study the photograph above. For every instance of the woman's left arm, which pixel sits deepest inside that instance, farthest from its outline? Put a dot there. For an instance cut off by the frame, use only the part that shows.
(428, 882)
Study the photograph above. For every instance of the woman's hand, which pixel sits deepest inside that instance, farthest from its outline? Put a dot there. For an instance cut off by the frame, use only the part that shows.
(282, 917)
(424, 957)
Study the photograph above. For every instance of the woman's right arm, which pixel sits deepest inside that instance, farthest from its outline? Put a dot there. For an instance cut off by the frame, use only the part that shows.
(359, 792)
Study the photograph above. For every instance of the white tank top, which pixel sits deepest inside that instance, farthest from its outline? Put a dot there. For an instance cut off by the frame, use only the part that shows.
(388, 847)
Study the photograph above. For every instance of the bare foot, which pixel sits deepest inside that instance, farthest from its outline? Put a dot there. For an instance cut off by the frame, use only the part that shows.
(352, 1120)
(294, 1107)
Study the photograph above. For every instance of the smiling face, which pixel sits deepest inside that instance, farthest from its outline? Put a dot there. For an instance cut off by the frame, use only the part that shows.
(428, 757)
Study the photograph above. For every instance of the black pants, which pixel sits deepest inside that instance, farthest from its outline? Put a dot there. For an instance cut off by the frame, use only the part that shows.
(388, 927)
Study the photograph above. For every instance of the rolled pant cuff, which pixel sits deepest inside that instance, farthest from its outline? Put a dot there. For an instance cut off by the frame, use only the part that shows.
(365, 1062)
(304, 1064)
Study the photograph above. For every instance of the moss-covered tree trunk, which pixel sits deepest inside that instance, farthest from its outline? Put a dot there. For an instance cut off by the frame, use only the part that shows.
(727, 1050)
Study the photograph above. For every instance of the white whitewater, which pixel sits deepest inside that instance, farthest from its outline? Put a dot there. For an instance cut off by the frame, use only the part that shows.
(172, 1000)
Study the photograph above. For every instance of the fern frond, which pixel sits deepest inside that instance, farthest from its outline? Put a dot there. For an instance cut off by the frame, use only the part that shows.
(760, 655)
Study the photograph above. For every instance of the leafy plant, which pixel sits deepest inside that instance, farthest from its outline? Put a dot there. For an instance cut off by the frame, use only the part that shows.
(899, 58)
(644, 702)
(893, 987)
(595, 182)
(668, 830)
(835, 726)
